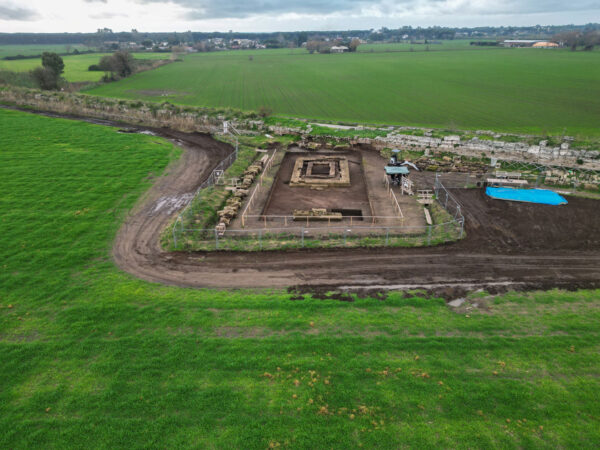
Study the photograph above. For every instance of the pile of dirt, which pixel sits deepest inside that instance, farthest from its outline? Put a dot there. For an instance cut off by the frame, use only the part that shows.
(507, 226)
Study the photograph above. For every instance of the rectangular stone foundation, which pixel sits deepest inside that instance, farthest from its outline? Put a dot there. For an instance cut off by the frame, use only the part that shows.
(320, 172)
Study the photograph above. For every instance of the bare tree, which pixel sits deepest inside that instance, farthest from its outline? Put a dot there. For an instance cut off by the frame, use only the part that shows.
(120, 64)
(312, 46)
(354, 43)
(590, 40)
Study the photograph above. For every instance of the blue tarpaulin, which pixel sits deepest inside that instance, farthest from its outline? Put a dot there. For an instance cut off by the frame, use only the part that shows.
(542, 196)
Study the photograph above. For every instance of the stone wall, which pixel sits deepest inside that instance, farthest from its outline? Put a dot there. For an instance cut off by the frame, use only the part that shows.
(510, 151)
(211, 121)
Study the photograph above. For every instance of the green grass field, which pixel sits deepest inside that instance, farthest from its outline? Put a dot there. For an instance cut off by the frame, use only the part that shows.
(90, 357)
(514, 90)
(76, 66)
(445, 45)
(38, 49)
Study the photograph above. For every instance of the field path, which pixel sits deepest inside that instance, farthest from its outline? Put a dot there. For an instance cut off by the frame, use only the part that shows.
(509, 245)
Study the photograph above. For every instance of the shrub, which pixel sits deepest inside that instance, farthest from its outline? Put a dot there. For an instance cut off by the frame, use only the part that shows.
(264, 111)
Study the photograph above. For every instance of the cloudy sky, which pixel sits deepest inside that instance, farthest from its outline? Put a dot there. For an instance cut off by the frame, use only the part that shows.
(284, 15)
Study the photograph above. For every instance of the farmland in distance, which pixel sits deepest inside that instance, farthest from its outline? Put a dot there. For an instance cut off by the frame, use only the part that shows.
(514, 90)
(76, 66)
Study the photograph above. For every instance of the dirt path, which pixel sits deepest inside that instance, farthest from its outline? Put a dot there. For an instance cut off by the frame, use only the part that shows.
(509, 245)
(137, 248)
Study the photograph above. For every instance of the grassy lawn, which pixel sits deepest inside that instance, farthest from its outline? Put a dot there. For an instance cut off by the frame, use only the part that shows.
(76, 66)
(90, 357)
(515, 90)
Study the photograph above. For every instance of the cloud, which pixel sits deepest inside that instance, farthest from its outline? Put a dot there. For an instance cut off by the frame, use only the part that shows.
(107, 15)
(229, 9)
(16, 13)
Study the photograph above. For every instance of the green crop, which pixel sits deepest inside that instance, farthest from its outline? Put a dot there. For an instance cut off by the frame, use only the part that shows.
(514, 90)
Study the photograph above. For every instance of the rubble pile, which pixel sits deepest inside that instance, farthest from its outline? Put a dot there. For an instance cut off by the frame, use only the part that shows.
(448, 164)
(240, 191)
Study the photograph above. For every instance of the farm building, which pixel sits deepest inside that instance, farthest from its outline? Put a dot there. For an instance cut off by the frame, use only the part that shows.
(339, 49)
(521, 42)
(545, 45)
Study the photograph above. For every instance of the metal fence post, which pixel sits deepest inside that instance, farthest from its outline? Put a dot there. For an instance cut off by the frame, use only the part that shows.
(260, 239)
(302, 232)
(216, 239)
(175, 234)
(387, 236)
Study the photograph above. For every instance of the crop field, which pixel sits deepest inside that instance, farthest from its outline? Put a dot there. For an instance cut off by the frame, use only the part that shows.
(76, 66)
(456, 44)
(516, 90)
(38, 49)
(90, 356)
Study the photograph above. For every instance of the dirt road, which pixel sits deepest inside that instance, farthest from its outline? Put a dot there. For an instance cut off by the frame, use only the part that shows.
(509, 245)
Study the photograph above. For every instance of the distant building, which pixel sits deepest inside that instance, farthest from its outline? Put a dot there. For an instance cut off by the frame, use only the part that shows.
(339, 49)
(545, 45)
(522, 42)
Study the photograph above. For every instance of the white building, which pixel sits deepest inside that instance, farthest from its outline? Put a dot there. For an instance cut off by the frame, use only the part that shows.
(339, 49)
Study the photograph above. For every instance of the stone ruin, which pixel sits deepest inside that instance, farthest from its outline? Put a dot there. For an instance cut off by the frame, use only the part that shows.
(320, 172)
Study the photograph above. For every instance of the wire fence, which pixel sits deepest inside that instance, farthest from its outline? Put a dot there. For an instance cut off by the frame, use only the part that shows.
(215, 177)
(319, 237)
(259, 186)
(274, 234)
(284, 221)
(449, 203)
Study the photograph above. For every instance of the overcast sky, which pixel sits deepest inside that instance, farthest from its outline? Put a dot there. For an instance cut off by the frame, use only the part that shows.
(284, 15)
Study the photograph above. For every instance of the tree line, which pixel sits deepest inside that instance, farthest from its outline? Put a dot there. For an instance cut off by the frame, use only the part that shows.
(48, 76)
(294, 37)
(585, 40)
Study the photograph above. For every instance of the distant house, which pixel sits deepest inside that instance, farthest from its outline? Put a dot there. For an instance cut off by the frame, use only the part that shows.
(339, 49)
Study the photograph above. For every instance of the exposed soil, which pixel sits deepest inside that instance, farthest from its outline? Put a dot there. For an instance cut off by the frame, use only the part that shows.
(284, 199)
(509, 246)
